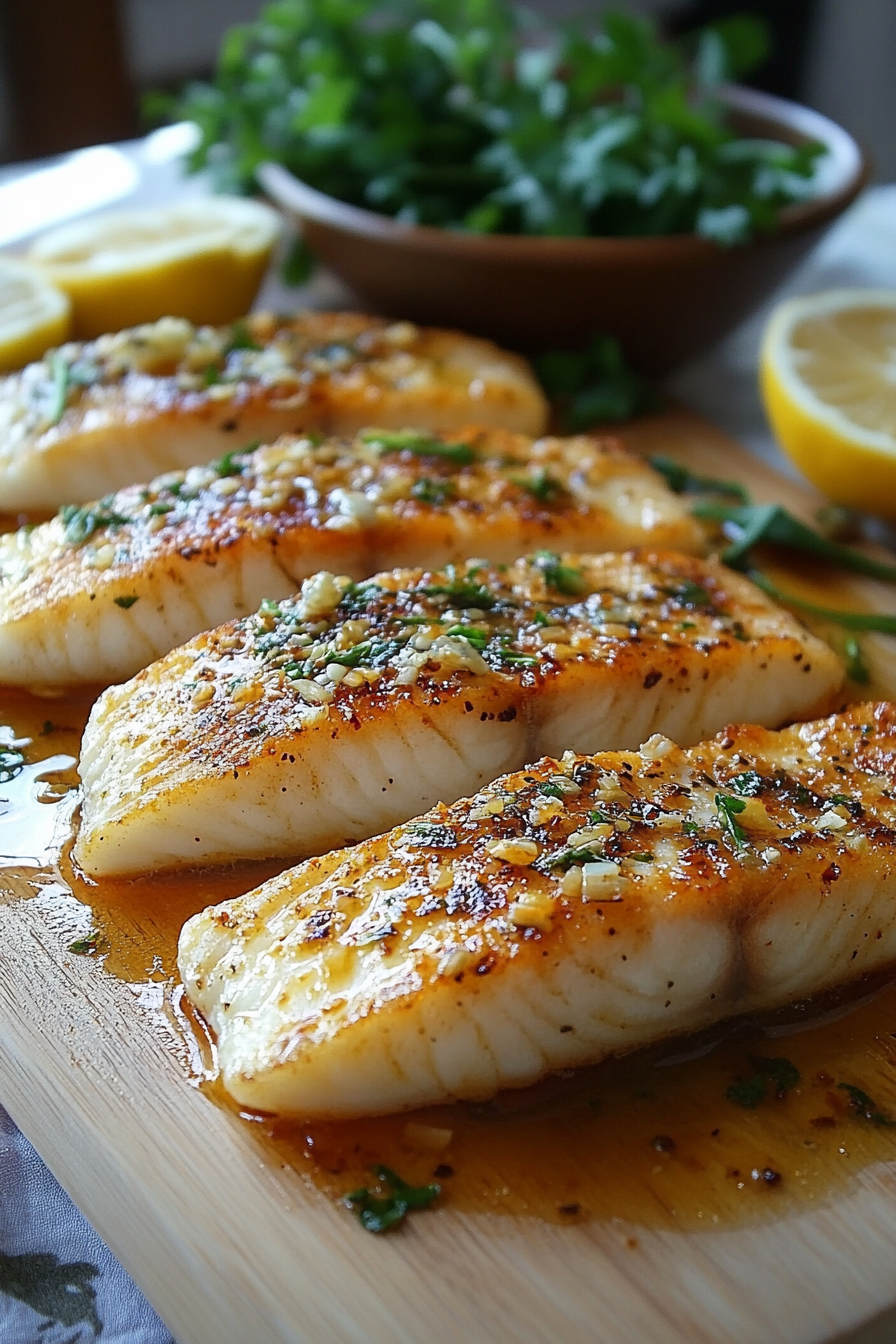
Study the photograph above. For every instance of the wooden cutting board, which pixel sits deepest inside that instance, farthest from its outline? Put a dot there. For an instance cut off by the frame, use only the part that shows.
(234, 1245)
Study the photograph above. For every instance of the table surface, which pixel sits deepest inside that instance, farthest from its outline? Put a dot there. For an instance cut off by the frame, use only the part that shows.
(36, 1218)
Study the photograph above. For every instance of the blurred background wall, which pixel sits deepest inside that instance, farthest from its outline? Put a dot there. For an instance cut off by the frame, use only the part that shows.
(72, 71)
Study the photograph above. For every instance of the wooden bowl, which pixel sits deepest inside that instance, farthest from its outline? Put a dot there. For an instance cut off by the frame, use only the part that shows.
(666, 299)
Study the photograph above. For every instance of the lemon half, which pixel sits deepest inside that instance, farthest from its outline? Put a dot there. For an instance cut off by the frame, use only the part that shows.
(203, 260)
(34, 315)
(828, 376)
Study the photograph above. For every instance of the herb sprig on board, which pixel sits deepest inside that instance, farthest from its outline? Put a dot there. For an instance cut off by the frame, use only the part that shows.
(454, 113)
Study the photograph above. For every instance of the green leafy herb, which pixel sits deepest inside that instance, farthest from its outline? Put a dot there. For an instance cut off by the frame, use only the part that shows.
(240, 338)
(779, 1074)
(690, 827)
(598, 818)
(462, 593)
(643, 857)
(571, 857)
(433, 491)
(87, 947)
(851, 620)
(541, 485)
(233, 464)
(685, 482)
(407, 441)
(379, 1213)
(856, 667)
(728, 810)
(61, 373)
(865, 1107)
(691, 594)
(81, 521)
(472, 634)
(443, 112)
(552, 790)
(126, 602)
(594, 385)
(770, 523)
(432, 835)
(12, 763)
(211, 375)
(522, 659)
(749, 784)
(564, 578)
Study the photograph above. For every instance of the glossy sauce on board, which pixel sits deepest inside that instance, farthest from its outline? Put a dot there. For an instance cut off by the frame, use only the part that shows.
(651, 1140)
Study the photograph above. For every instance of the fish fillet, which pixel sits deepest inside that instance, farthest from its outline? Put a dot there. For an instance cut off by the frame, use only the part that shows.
(327, 718)
(100, 591)
(91, 418)
(489, 943)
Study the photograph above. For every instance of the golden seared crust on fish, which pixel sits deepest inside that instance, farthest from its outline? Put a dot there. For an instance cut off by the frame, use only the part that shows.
(571, 911)
(327, 718)
(103, 589)
(90, 418)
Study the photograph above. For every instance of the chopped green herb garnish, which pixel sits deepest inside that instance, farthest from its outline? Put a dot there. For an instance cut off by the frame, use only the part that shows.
(12, 763)
(379, 1213)
(407, 441)
(728, 809)
(211, 375)
(865, 1107)
(233, 464)
(643, 857)
(564, 578)
(431, 834)
(161, 507)
(521, 659)
(126, 602)
(571, 857)
(856, 668)
(598, 818)
(851, 620)
(770, 523)
(683, 481)
(541, 485)
(87, 947)
(779, 1074)
(690, 827)
(749, 784)
(594, 385)
(81, 521)
(463, 594)
(552, 790)
(433, 491)
(60, 370)
(541, 618)
(690, 594)
(240, 338)
(472, 634)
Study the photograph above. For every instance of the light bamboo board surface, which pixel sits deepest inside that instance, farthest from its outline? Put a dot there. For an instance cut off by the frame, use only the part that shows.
(233, 1248)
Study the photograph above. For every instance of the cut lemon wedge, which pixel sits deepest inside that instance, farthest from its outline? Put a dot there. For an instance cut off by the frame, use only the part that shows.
(34, 315)
(203, 260)
(828, 376)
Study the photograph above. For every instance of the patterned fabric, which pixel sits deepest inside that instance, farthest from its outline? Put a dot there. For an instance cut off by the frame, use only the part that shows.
(59, 1284)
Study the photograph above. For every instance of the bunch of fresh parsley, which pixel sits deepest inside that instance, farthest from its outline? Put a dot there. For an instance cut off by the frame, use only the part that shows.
(468, 115)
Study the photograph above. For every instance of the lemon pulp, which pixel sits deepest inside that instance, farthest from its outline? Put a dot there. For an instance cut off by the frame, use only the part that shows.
(203, 260)
(828, 376)
(34, 315)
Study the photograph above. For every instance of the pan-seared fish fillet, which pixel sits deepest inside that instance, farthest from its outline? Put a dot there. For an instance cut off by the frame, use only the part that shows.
(327, 718)
(90, 418)
(575, 910)
(100, 591)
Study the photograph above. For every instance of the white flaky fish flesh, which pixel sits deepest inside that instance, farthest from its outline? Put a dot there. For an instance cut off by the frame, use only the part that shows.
(91, 418)
(103, 589)
(575, 910)
(324, 719)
